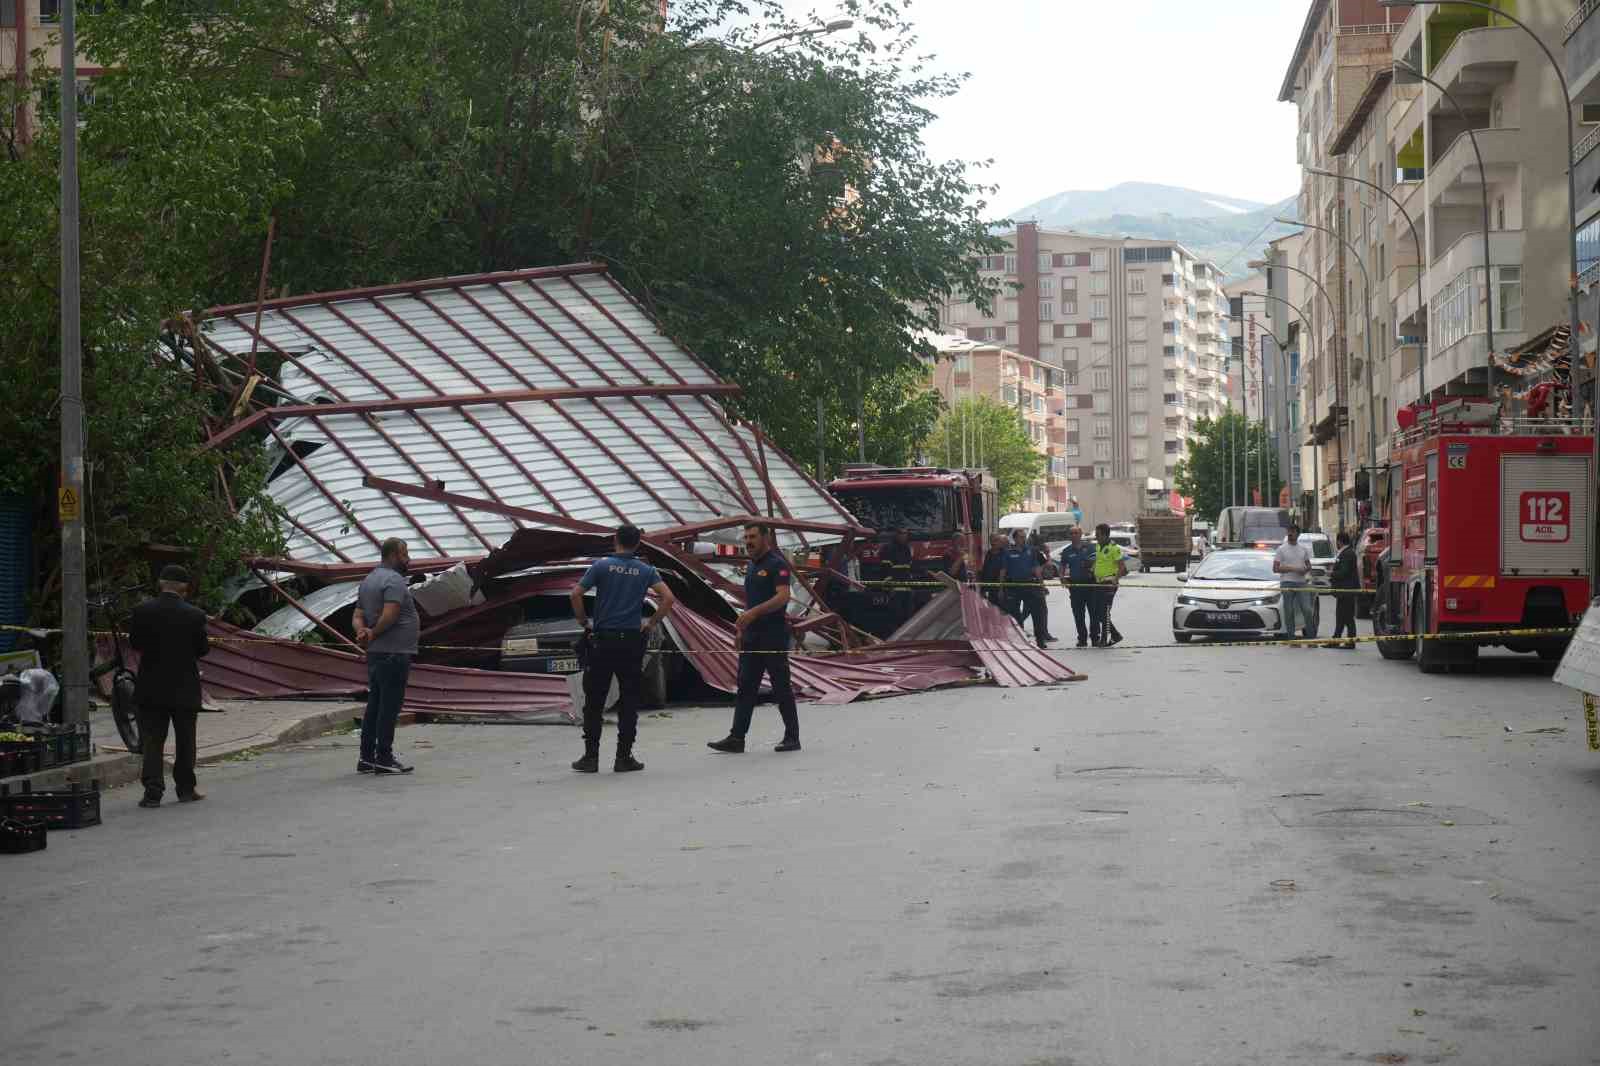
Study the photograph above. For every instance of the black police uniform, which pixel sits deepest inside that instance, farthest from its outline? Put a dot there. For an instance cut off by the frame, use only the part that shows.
(1077, 566)
(764, 649)
(620, 582)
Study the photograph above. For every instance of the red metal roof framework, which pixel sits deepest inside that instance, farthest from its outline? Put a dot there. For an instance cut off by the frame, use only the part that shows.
(532, 389)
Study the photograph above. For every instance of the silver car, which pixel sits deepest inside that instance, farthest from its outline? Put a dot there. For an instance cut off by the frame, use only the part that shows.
(1232, 594)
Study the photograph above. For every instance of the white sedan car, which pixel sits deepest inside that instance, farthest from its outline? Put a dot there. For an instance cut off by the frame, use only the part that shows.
(1232, 594)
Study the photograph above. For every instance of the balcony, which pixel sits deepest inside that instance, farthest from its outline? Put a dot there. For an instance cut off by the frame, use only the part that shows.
(1466, 251)
(1583, 48)
(1409, 193)
(1587, 162)
(1456, 178)
(1477, 62)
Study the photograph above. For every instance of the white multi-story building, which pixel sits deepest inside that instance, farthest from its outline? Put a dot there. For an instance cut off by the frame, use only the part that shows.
(1139, 329)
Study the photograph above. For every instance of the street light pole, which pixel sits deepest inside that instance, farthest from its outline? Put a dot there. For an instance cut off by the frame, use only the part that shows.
(1305, 325)
(1422, 264)
(1366, 333)
(70, 501)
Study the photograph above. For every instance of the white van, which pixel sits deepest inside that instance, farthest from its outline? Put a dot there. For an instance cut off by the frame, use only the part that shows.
(1051, 526)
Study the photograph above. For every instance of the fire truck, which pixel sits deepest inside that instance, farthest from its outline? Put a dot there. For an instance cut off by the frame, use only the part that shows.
(1492, 521)
(943, 510)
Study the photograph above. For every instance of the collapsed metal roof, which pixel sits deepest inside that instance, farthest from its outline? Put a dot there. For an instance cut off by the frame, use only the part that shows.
(548, 390)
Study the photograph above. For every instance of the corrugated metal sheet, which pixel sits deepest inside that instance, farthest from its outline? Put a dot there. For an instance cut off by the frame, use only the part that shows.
(1012, 660)
(242, 665)
(654, 460)
(286, 623)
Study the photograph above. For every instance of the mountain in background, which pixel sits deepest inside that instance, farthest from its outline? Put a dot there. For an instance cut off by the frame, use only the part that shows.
(1224, 229)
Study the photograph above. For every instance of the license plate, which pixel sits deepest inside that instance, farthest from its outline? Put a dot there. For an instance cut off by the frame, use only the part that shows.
(1223, 617)
(561, 666)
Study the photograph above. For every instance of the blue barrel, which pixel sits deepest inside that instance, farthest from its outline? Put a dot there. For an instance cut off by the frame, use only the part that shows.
(16, 554)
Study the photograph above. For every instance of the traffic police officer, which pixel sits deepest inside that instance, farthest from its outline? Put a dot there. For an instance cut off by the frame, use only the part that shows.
(1109, 568)
(618, 633)
(763, 634)
(1077, 574)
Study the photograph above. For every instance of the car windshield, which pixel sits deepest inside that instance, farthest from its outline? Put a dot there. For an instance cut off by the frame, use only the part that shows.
(1235, 566)
(919, 511)
(1320, 547)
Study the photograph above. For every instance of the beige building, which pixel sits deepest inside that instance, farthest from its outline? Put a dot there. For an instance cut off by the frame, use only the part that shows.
(27, 26)
(965, 368)
(1364, 115)
(1139, 331)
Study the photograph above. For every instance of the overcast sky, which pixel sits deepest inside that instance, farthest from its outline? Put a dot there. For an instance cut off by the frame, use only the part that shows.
(1084, 94)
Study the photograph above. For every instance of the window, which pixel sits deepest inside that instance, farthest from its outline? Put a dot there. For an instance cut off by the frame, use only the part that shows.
(1138, 377)
(1011, 264)
(1099, 307)
(955, 313)
(1138, 400)
(1102, 402)
(1101, 330)
(1097, 285)
(1047, 311)
(1102, 428)
(1136, 353)
(1138, 329)
(8, 12)
(1049, 356)
(1097, 259)
(1099, 354)
(1011, 310)
(1069, 358)
(1102, 379)
(1009, 394)
(1500, 212)
(1072, 425)
(49, 10)
(1102, 449)
(1073, 451)
(1139, 425)
(1045, 261)
(1141, 450)
(1102, 472)
(1038, 405)
(1136, 283)
(1069, 305)
(963, 364)
(1047, 286)
(1508, 299)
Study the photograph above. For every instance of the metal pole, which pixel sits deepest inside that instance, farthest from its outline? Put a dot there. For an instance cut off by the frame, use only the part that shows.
(822, 440)
(861, 419)
(70, 501)
(1422, 264)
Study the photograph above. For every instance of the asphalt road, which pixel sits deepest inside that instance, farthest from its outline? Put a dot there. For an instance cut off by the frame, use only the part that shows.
(1200, 855)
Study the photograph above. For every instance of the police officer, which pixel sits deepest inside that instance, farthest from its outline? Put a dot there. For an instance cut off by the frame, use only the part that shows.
(1077, 575)
(1019, 565)
(618, 633)
(1109, 568)
(763, 634)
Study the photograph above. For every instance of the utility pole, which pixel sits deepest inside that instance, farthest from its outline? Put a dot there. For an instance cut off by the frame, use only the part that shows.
(69, 498)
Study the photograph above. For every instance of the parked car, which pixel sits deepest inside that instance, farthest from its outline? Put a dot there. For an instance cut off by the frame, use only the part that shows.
(1129, 543)
(1370, 545)
(1232, 594)
(1251, 527)
(1322, 558)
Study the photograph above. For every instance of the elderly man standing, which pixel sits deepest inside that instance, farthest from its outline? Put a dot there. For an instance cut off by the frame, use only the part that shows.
(387, 626)
(170, 636)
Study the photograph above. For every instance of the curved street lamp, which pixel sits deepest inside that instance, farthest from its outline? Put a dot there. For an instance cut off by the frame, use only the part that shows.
(1283, 364)
(1422, 264)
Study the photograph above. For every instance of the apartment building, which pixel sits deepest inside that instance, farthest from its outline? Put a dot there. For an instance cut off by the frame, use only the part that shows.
(1138, 329)
(26, 26)
(1264, 368)
(1433, 320)
(964, 368)
(1582, 45)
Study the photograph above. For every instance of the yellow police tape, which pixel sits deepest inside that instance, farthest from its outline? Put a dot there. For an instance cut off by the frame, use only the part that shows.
(1591, 722)
(1274, 642)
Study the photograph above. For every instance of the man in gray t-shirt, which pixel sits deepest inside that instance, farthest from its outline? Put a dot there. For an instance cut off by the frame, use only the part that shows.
(387, 626)
(1292, 563)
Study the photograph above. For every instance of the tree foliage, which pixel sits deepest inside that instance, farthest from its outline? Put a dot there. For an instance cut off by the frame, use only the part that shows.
(1219, 455)
(982, 431)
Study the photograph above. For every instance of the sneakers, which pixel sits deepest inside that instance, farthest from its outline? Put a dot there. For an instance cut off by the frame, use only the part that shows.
(729, 745)
(191, 797)
(788, 744)
(363, 766)
(391, 765)
(150, 802)
(626, 764)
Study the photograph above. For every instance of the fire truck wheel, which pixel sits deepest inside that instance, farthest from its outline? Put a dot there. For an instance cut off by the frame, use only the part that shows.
(1432, 655)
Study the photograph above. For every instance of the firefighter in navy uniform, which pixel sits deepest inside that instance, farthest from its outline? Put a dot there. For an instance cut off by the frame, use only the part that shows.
(618, 634)
(763, 633)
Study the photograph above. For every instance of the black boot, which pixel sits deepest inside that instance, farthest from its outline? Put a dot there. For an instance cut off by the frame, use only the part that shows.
(729, 744)
(626, 763)
(590, 763)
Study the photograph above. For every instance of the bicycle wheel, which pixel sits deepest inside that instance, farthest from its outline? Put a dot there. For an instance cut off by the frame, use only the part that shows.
(125, 710)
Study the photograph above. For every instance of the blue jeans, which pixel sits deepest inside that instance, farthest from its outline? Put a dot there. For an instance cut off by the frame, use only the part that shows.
(386, 691)
(1299, 605)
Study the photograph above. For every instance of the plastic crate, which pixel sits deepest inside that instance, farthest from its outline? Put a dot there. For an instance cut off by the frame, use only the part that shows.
(66, 747)
(19, 838)
(76, 807)
(22, 756)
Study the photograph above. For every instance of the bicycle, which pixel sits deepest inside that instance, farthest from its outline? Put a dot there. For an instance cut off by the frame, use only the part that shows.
(124, 706)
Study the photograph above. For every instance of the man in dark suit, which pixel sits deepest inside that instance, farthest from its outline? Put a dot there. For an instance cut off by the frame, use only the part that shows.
(170, 636)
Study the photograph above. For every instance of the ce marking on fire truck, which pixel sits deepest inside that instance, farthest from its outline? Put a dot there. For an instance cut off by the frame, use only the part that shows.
(1456, 457)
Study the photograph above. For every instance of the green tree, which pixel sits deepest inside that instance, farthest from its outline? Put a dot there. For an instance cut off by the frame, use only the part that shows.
(774, 207)
(176, 191)
(1217, 460)
(980, 431)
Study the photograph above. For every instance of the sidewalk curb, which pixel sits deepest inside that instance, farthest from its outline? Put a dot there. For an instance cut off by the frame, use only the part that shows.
(114, 769)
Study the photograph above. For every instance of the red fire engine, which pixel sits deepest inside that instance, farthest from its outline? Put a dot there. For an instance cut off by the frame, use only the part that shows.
(1491, 522)
(942, 510)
